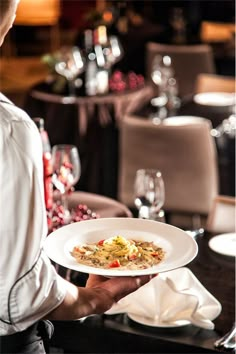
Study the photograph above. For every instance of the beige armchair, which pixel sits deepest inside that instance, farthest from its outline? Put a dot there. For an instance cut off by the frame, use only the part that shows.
(222, 215)
(184, 151)
(103, 206)
(214, 83)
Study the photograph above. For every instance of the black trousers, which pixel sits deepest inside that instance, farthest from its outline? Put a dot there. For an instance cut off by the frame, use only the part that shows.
(33, 340)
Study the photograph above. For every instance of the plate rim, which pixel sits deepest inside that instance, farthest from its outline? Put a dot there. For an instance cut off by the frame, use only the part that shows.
(114, 272)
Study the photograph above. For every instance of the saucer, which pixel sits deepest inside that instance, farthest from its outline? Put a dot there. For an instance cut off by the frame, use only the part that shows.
(224, 244)
(152, 322)
(219, 99)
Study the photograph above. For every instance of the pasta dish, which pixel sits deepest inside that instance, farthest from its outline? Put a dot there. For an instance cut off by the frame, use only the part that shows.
(118, 252)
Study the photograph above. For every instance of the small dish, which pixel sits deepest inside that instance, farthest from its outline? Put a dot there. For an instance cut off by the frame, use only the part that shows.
(224, 244)
(219, 99)
(147, 321)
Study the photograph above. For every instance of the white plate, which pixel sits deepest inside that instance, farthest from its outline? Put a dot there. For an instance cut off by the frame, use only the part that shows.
(180, 248)
(224, 244)
(155, 323)
(220, 99)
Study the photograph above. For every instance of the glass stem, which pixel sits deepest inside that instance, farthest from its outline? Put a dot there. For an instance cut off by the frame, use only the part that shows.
(64, 201)
(71, 86)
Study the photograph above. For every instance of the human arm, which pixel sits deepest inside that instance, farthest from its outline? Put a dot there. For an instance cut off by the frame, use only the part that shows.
(97, 297)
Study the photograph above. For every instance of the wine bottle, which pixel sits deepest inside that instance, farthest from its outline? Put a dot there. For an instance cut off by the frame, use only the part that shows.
(47, 167)
(91, 66)
(100, 48)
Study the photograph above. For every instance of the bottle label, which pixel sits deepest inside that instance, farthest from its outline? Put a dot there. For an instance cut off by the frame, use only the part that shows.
(48, 187)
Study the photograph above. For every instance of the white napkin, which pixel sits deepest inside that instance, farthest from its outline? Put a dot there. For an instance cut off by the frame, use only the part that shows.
(169, 299)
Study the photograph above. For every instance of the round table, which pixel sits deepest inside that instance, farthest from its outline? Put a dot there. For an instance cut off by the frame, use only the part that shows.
(90, 123)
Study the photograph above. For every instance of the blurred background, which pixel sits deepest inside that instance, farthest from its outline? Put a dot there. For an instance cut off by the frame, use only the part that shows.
(45, 25)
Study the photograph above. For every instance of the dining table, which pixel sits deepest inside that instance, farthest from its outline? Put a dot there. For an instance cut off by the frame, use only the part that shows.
(120, 334)
(92, 124)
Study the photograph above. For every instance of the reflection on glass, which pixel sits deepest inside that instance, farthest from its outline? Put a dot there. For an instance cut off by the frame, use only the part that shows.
(70, 64)
(66, 172)
(149, 193)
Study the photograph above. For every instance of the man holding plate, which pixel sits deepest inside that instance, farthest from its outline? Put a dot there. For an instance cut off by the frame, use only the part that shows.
(31, 292)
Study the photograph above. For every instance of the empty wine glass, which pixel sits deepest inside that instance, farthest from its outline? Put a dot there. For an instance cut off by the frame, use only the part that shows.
(66, 172)
(163, 77)
(70, 64)
(149, 194)
(116, 50)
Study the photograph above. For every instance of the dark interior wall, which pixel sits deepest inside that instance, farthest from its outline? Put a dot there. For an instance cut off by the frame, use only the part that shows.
(74, 12)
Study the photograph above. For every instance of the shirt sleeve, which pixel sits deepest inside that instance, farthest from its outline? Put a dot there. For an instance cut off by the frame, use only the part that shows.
(29, 285)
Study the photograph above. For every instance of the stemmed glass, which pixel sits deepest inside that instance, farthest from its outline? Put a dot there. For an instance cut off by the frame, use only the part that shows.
(163, 77)
(149, 194)
(114, 51)
(70, 64)
(66, 172)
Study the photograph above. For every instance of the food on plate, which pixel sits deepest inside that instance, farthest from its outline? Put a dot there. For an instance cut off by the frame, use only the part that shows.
(120, 253)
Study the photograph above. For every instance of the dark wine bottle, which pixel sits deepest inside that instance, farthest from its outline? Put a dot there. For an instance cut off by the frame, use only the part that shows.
(91, 65)
(100, 48)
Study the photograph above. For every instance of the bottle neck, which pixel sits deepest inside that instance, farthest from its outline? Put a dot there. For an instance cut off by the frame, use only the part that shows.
(88, 41)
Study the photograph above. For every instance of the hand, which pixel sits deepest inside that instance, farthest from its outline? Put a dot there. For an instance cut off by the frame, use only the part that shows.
(118, 287)
(97, 297)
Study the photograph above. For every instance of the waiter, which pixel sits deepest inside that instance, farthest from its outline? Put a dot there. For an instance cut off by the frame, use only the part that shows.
(31, 292)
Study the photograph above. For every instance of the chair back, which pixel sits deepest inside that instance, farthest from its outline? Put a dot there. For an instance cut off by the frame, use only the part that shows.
(187, 60)
(184, 151)
(103, 206)
(214, 83)
(222, 215)
(217, 32)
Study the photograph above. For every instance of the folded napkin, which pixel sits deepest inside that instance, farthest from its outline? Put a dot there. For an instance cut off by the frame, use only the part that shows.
(170, 299)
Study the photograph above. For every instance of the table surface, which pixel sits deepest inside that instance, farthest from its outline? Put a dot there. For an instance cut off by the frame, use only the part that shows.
(118, 334)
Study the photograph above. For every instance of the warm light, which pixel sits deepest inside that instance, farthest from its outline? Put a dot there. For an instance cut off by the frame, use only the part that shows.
(107, 16)
(217, 32)
(102, 34)
(38, 12)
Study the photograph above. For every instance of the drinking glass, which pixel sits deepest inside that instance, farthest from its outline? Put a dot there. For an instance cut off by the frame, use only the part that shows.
(70, 64)
(149, 194)
(66, 172)
(116, 50)
(110, 53)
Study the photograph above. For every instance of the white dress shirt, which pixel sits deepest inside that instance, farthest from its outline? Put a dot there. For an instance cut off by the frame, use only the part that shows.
(29, 285)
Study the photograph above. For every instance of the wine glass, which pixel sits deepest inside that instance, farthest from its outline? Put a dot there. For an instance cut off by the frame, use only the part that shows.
(66, 172)
(70, 64)
(115, 52)
(149, 194)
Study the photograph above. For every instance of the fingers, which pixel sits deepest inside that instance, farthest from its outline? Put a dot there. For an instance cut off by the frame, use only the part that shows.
(120, 287)
(138, 282)
(141, 280)
(95, 280)
(101, 293)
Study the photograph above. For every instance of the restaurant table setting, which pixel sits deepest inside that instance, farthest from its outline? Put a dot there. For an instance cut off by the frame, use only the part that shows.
(211, 277)
(88, 120)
